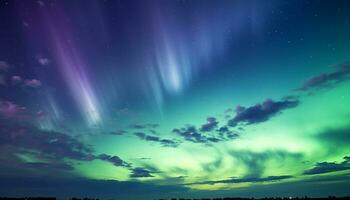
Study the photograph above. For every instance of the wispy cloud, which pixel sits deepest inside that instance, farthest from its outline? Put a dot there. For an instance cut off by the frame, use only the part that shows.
(140, 172)
(115, 160)
(53, 147)
(245, 180)
(152, 138)
(10, 110)
(34, 83)
(4, 66)
(326, 80)
(327, 167)
(16, 80)
(143, 126)
(261, 112)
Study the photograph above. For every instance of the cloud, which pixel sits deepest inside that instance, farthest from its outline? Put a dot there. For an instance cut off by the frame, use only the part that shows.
(53, 147)
(143, 126)
(225, 132)
(169, 143)
(4, 66)
(117, 132)
(255, 162)
(34, 83)
(44, 61)
(335, 137)
(192, 134)
(50, 143)
(345, 64)
(16, 80)
(326, 80)
(115, 160)
(163, 142)
(213, 166)
(41, 3)
(210, 125)
(10, 110)
(246, 180)
(140, 172)
(47, 166)
(261, 112)
(327, 167)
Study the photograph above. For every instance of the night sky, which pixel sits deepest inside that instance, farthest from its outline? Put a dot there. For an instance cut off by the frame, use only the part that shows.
(176, 98)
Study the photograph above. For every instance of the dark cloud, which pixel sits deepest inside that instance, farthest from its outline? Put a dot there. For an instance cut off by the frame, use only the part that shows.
(140, 172)
(327, 167)
(146, 137)
(55, 144)
(46, 166)
(145, 158)
(117, 132)
(261, 112)
(115, 160)
(335, 137)
(169, 143)
(152, 138)
(210, 125)
(143, 126)
(326, 80)
(247, 180)
(192, 134)
(224, 131)
(53, 147)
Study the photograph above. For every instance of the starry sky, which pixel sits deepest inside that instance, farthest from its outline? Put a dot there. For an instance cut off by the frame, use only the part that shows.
(178, 98)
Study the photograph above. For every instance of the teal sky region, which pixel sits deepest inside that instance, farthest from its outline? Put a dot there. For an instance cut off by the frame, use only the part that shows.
(181, 98)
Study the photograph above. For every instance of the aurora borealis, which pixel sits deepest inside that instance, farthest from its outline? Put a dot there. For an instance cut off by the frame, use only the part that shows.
(179, 98)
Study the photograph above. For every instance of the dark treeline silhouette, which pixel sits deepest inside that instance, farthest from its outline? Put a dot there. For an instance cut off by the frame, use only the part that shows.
(225, 198)
(27, 198)
(42, 198)
(74, 198)
(266, 198)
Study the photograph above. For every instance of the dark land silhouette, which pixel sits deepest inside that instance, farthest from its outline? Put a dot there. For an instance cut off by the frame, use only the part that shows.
(224, 198)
